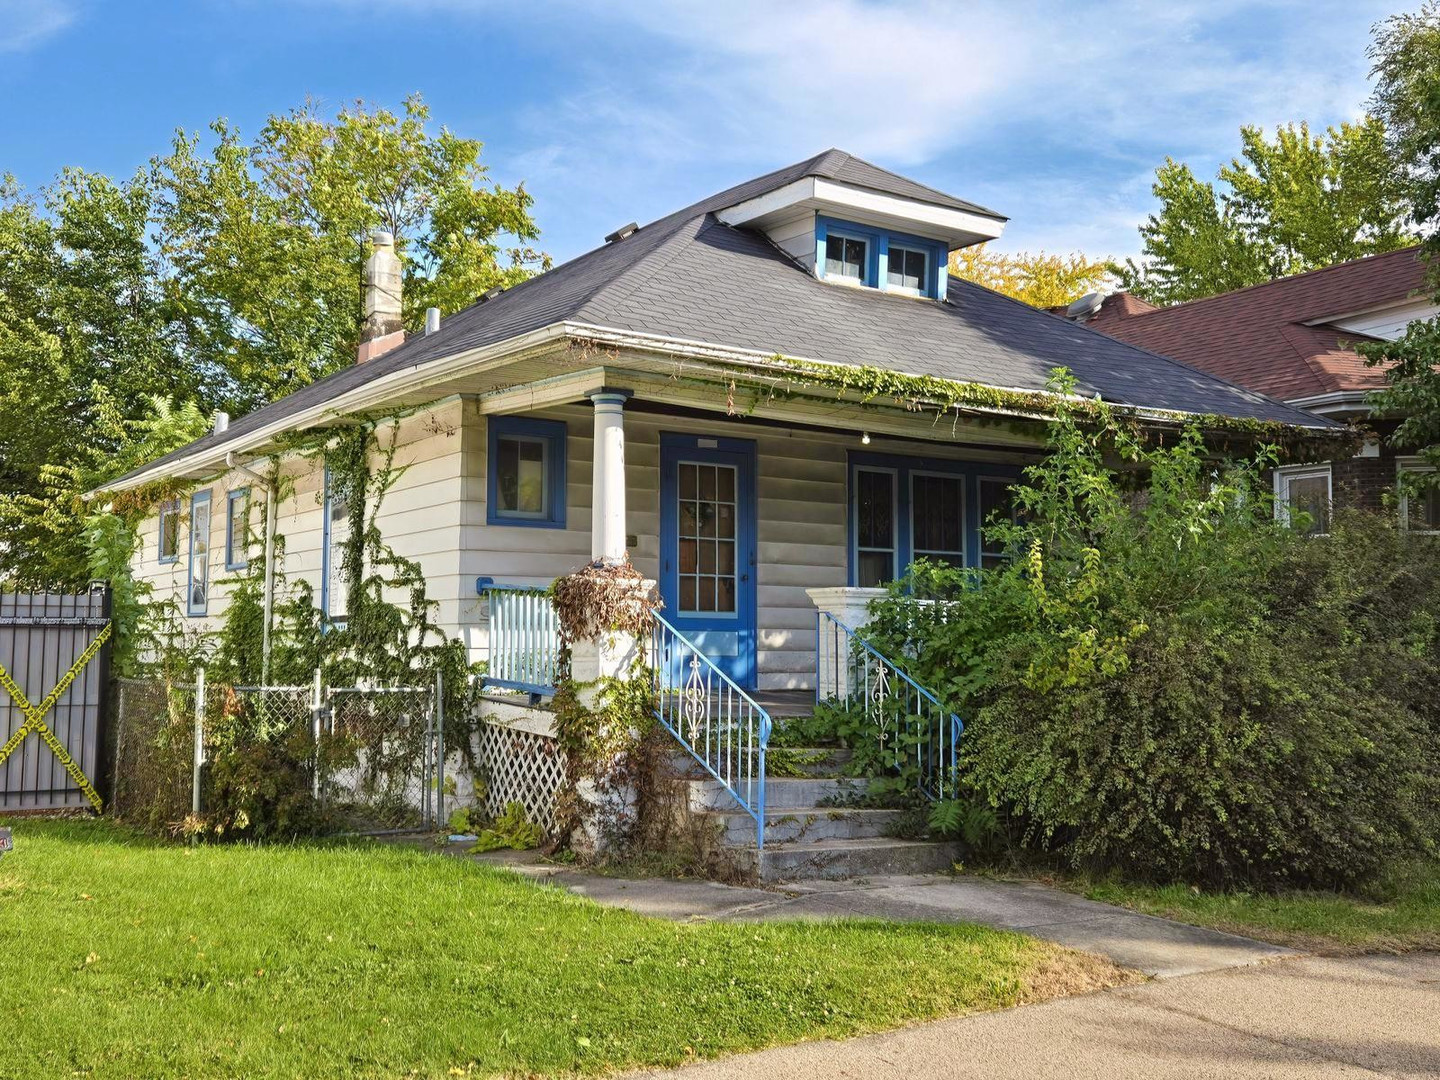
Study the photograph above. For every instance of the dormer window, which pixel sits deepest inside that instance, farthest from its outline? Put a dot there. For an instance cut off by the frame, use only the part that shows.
(849, 253)
(846, 258)
(909, 270)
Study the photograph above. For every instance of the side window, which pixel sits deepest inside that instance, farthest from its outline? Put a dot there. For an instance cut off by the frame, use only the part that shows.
(526, 472)
(1419, 509)
(237, 529)
(170, 531)
(197, 592)
(845, 258)
(334, 593)
(1304, 490)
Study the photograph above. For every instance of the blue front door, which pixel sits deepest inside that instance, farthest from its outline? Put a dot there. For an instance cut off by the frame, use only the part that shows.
(707, 547)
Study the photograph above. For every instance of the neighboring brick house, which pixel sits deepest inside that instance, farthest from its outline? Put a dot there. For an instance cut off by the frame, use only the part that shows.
(1294, 339)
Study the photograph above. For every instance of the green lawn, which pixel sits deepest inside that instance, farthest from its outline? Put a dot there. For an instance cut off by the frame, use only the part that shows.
(122, 957)
(1408, 918)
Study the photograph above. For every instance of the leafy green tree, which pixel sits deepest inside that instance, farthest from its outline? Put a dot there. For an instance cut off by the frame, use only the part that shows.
(224, 274)
(1406, 55)
(267, 241)
(1284, 206)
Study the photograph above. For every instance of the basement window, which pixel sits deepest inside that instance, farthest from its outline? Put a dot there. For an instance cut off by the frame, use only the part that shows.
(526, 472)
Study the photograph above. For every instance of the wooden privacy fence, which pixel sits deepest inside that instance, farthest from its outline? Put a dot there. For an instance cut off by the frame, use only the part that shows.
(54, 671)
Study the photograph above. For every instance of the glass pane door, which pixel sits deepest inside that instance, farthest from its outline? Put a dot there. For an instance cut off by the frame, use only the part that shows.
(706, 537)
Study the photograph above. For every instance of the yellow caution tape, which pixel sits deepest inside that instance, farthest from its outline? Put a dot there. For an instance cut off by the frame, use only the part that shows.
(35, 717)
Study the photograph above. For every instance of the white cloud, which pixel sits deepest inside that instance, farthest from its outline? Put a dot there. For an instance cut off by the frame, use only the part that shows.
(25, 24)
(659, 103)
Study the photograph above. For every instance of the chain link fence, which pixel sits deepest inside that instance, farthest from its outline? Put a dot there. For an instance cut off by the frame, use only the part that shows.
(355, 759)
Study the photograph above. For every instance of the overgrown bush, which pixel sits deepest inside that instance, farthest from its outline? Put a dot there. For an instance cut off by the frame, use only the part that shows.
(1170, 683)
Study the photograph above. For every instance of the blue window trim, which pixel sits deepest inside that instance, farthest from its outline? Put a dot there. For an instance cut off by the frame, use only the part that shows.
(554, 433)
(902, 467)
(325, 557)
(198, 499)
(878, 254)
(168, 509)
(232, 562)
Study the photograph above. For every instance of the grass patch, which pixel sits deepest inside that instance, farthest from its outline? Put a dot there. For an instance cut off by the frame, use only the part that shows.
(1404, 915)
(123, 957)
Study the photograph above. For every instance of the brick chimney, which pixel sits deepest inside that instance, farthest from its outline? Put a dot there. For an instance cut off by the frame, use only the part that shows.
(382, 330)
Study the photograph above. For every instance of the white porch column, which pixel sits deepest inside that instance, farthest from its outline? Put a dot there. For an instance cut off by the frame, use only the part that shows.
(607, 491)
(851, 608)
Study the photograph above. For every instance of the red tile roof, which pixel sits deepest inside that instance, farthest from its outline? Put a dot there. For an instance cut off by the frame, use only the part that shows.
(1260, 337)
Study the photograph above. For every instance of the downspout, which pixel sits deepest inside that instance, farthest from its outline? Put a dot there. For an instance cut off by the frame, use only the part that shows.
(269, 595)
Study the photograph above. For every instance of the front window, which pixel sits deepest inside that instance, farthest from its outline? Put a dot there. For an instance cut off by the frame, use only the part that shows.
(1304, 491)
(937, 515)
(875, 541)
(845, 258)
(197, 593)
(1419, 500)
(526, 466)
(997, 504)
(908, 269)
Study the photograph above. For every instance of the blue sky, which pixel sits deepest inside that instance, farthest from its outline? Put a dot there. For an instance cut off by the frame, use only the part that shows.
(1053, 113)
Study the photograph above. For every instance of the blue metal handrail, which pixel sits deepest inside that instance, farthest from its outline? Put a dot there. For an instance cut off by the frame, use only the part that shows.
(850, 671)
(713, 718)
(524, 638)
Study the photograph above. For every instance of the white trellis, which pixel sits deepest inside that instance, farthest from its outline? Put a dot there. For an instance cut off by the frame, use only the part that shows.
(521, 766)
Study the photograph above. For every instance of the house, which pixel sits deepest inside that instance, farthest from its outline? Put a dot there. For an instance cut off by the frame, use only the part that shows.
(1294, 339)
(665, 397)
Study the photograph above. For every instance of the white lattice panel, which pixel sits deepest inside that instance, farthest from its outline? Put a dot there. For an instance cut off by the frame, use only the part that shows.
(522, 767)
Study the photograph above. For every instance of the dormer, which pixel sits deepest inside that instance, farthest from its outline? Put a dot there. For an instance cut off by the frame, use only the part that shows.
(853, 224)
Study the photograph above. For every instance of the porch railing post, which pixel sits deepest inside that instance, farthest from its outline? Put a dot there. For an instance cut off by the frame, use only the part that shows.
(440, 748)
(317, 711)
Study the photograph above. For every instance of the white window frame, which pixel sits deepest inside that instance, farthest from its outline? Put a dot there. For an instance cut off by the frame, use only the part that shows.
(960, 479)
(1414, 465)
(842, 279)
(1285, 474)
(925, 259)
(894, 475)
(543, 514)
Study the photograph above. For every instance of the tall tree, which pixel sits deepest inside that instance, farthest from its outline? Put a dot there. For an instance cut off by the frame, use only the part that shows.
(1406, 56)
(1284, 206)
(1041, 280)
(225, 274)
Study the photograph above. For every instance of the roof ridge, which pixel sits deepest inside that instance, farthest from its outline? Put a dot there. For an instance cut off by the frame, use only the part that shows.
(1286, 279)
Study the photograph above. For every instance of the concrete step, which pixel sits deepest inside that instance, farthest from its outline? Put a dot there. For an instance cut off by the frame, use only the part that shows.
(839, 860)
(785, 825)
(780, 792)
(828, 762)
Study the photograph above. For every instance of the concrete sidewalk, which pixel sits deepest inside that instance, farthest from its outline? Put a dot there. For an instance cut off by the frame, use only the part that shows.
(1141, 942)
(1307, 1017)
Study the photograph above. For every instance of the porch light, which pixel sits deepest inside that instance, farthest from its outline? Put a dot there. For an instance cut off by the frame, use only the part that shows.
(865, 438)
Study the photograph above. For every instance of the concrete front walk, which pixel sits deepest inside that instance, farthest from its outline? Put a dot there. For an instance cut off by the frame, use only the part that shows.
(1141, 942)
(1360, 1017)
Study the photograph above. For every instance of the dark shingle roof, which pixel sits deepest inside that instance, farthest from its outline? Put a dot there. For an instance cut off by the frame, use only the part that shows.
(689, 276)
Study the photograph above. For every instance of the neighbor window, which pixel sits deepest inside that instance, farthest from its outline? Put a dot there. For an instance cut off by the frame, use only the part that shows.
(334, 591)
(845, 258)
(526, 472)
(1420, 510)
(237, 529)
(997, 504)
(908, 269)
(1304, 490)
(197, 591)
(170, 531)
